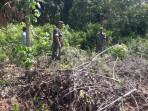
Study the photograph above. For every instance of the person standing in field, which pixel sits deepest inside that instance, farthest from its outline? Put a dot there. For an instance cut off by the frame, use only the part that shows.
(23, 34)
(57, 41)
(100, 40)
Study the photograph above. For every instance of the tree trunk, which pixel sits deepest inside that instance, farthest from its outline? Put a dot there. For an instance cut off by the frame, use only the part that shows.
(28, 38)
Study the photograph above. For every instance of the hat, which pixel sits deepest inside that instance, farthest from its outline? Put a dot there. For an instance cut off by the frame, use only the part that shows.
(24, 28)
(101, 28)
(60, 22)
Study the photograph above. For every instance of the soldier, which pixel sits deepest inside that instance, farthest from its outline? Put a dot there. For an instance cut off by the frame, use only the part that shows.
(100, 40)
(23, 34)
(57, 41)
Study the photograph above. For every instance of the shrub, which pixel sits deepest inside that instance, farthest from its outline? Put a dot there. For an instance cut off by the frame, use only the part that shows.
(3, 57)
(73, 54)
(119, 51)
(23, 56)
(139, 47)
(91, 32)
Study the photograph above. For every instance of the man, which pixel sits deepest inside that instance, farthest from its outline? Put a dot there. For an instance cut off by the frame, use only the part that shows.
(100, 40)
(24, 36)
(57, 41)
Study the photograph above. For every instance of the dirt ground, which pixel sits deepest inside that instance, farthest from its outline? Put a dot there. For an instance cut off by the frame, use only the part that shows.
(118, 86)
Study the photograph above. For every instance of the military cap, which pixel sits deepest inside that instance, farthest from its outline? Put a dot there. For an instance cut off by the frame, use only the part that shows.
(60, 22)
(101, 28)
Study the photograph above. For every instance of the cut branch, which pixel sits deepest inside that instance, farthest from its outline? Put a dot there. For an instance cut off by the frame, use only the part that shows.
(117, 99)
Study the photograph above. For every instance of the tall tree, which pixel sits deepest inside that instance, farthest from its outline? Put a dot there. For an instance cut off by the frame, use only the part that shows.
(79, 14)
(65, 10)
(51, 11)
(17, 7)
(28, 38)
(54, 10)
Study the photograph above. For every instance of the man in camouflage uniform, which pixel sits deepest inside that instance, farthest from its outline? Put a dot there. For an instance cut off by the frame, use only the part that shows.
(57, 41)
(100, 40)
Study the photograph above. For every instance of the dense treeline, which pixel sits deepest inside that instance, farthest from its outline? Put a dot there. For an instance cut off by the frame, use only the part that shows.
(124, 18)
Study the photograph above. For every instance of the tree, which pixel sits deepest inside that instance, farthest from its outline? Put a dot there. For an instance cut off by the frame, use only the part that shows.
(10, 8)
(27, 6)
(125, 19)
(79, 14)
(65, 10)
(54, 10)
(51, 11)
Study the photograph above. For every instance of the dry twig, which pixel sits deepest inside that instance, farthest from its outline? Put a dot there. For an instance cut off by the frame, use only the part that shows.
(117, 100)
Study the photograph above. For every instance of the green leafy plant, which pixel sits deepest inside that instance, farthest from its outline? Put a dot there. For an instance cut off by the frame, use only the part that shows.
(15, 106)
(24, 56)
(32, 5)
(82, 93)
(43, 44)
(119, 51)
(3, 57)
(40, 103)
(42, 39)
(138, 46)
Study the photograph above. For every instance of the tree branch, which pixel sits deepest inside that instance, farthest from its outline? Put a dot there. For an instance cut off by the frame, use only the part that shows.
(117, 99)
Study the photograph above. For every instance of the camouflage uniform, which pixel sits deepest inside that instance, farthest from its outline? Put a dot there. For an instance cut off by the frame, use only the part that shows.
(100, 41)
(55, 51)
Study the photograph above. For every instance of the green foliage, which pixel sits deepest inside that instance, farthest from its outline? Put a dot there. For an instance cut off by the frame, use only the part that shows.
(24, 56)
(15, 106)
(42, 39)
(65, 10)
(50, 11)
(32, 5)
(77, 16)
(123, 18)
(40, 103)
(73, 54)
(119, 51)
(76, 39)
(11, 35)
(138, 46)
(10, 38)
(3, 58)
(82, 93)
(4, 83)
(42, 43)
(91, 32)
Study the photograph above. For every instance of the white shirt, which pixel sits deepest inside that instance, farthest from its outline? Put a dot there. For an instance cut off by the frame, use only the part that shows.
(23, 38)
